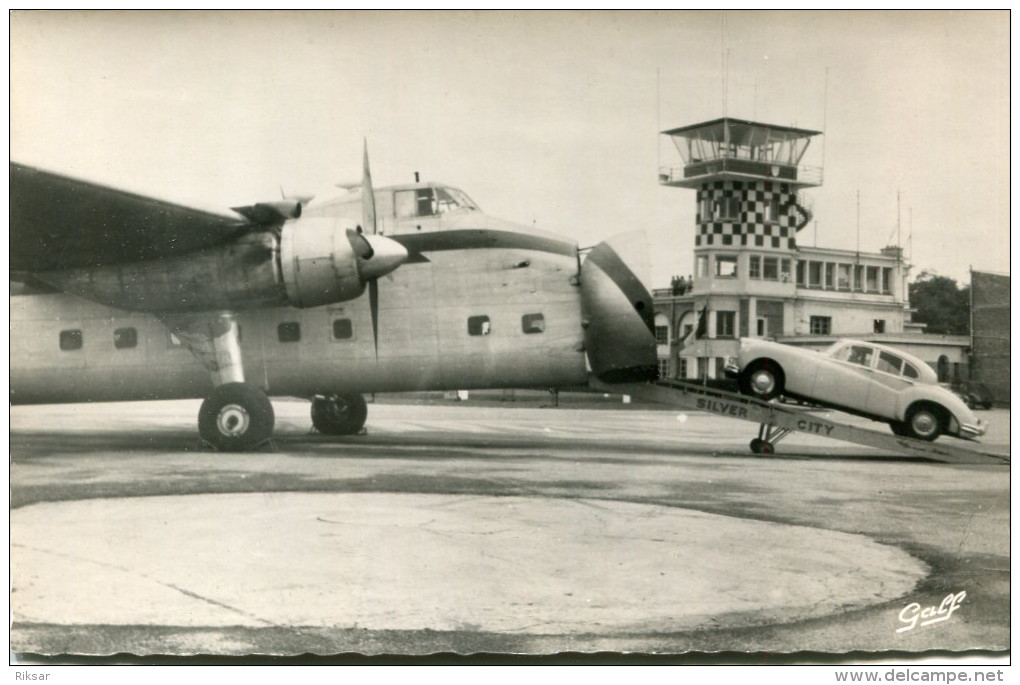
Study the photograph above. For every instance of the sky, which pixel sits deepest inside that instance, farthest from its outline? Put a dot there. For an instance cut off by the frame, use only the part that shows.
(547, 119)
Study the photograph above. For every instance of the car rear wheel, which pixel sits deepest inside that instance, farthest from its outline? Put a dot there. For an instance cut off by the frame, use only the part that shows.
(762, 379)
(924, 421)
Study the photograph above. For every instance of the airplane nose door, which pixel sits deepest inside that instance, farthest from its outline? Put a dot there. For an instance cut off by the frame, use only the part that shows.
(617, 312)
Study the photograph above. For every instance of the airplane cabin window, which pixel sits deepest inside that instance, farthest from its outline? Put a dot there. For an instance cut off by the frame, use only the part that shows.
(71, 340)
(288, 332)
(342, 329)
(479, 325)
(125, 338)
(533, 323)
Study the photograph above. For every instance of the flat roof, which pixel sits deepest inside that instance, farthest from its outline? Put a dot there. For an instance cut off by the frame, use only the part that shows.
(712, 130)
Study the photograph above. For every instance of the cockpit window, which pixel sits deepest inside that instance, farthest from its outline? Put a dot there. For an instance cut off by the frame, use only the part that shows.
(430, 202)
(417, 202)
(454, 199)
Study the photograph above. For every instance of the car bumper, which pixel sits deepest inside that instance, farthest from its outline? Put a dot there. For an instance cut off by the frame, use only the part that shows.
(973, 430)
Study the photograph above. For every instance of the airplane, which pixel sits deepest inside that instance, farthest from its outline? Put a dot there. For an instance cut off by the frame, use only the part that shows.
(116, 296)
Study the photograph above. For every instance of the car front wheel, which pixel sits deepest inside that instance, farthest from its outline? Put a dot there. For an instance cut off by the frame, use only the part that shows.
(924, 422)
(762, 379)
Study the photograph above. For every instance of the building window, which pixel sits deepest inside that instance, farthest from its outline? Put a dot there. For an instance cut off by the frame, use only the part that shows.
(701, 266)
(288, 332)
(725, 324)
(830, 275)
(763, 327)
(664, 368)
(800, 274)
(843, 277)
(754, 266)
(772, 210)
(533, 323)
(872, 284)
(886, 280)
(814, 274)
(705, 210)
(125, 338)
(879, 326)
(726, 208)
(726, 266)
(770, 269)
(479, 325)
(858, 278)
(720, 367)
(784, 270)
(343, 329)
(71, 340)
(662, 335)
(821, 325)
(683, 368)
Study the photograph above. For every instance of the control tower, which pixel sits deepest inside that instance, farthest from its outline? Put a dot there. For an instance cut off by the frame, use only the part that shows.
(748, 177)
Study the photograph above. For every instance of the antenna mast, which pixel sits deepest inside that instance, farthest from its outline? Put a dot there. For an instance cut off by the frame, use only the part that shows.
(825, 114)
(858, 225)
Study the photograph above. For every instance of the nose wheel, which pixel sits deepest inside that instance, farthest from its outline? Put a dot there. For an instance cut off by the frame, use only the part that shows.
(236, 417)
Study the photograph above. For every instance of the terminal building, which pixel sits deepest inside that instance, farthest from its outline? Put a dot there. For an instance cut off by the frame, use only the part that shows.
(752, 278)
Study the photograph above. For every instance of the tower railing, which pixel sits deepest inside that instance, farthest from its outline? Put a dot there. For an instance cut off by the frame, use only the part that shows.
(804, 175)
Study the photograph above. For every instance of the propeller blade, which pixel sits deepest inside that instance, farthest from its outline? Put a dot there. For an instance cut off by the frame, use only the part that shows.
(367, 197)
(373, 303)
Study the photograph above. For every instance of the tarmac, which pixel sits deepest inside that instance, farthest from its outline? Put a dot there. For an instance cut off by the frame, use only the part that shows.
(493, 527)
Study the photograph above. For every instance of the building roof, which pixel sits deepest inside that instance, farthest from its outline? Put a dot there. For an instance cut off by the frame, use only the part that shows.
(713, 130)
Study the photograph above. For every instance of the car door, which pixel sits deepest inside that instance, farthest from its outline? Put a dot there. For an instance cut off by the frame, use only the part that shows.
(887, 384)
(844, 376)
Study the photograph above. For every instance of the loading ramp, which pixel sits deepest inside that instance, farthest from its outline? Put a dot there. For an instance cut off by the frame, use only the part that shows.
(777, 420)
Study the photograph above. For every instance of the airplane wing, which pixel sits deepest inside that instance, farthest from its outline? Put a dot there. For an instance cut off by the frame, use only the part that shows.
(57, 222)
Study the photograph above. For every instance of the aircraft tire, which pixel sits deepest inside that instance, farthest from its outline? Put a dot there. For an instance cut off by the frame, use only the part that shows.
(236, 417)
(342, 414)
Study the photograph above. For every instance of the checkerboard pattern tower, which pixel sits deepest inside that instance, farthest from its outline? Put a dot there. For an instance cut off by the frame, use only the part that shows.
(748, 180)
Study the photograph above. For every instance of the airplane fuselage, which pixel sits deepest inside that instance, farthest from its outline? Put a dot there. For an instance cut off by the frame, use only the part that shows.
(410, 288)
(502, 312)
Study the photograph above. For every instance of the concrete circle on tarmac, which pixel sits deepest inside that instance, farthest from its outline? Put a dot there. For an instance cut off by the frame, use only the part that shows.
(439, 562)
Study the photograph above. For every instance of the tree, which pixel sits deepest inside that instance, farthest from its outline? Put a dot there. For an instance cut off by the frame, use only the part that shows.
(941, 303)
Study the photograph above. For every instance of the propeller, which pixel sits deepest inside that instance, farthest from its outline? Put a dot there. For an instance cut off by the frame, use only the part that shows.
(368, 221)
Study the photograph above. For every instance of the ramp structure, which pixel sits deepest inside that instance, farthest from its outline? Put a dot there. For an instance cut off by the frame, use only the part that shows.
(777, 420)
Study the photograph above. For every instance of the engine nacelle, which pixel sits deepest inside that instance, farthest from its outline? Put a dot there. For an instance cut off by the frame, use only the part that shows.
(308, 263)
(319, 262)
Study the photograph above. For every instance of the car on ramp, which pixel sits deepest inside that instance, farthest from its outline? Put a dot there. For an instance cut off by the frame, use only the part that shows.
(862, 378)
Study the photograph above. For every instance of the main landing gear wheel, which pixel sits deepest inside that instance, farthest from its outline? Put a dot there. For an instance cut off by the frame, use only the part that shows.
(236, 417)
(339, 414)
(759, 446)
